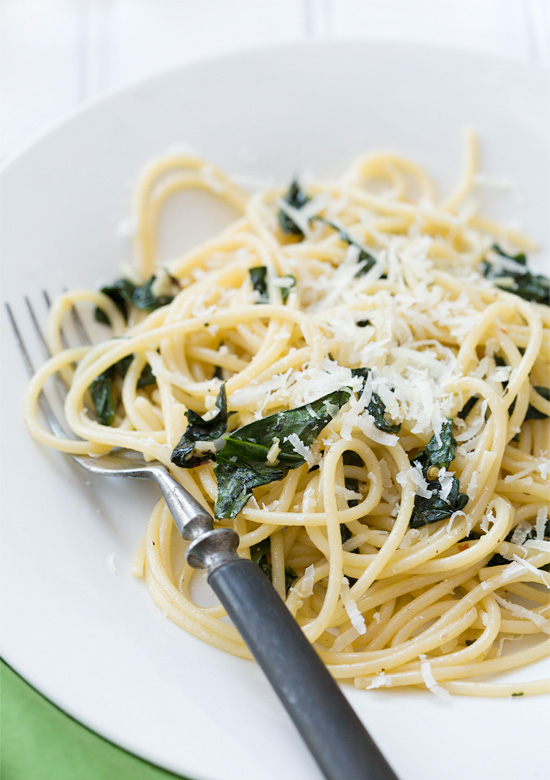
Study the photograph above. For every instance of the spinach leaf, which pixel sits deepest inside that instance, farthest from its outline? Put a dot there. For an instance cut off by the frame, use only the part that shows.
(259, 553)
(201, 430)
(517, 280)
(500, 560)
(435, 454)
(285, 291)
(364, 259)
(296, 198)
(351, 458)
(102, 389)
(237, 480)
(376, 407)
(468, 406)
(120, 292)
(430, 510)
(345, 533)
(242, 464)
(144, 298)
(534, 414)
(520, 258)
(146, 377)
(432, 458)
(125, 293)
(258, 277)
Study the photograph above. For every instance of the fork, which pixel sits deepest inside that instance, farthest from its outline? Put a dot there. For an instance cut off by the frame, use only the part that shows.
(328, 724)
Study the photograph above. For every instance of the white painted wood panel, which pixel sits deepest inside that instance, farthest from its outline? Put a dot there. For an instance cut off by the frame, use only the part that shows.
(55, 54)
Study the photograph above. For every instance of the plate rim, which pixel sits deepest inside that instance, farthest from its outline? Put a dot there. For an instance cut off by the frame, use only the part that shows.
(535, 70)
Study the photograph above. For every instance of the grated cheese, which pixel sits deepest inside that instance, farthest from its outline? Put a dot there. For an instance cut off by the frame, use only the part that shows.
(446, 481)
(513, 569)
(308, 580)
(540, 522)
(357, 619)
(531, 568)
(522, 612)
(430, 681)
(380, 681)
(273, 452)
(521, 532)
(300, 448)
(354, 542)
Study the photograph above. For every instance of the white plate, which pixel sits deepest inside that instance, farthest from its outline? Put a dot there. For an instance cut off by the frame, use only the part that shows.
(89, 638)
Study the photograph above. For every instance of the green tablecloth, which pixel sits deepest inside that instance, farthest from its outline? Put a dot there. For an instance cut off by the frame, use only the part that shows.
(40, 742)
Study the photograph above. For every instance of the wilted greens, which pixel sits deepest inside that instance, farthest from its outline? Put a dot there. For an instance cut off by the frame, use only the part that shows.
(515, 279)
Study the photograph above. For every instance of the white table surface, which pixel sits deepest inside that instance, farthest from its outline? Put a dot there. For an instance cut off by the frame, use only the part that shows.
(56, 54)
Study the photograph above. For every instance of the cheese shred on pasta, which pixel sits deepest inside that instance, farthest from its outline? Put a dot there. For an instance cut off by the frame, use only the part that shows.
(372, 272)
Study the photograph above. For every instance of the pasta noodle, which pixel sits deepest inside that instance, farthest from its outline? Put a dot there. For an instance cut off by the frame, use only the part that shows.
(409, 533)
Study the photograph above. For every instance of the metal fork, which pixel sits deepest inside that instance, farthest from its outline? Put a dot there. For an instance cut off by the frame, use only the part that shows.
(323, 716)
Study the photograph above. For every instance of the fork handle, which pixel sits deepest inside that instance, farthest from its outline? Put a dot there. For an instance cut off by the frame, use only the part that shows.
(322, 714)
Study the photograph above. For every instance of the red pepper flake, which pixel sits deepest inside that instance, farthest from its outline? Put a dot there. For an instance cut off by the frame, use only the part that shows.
(464, 546)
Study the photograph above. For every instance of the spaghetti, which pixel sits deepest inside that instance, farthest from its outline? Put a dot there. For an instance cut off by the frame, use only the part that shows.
(404, 357)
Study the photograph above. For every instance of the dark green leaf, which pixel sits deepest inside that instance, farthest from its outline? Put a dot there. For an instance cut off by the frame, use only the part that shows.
(290, 577)
(296, 198)
(430, 510)
(146, 377)
(258, 277)
(125, 293)
(199, 430)
(120, 292)
(500, 560)
(468, 406)
(242, 463)
(363, 323)
(517, 280)
(497, 560)
(364, 259)
(376, 407)
(122, 365)
(345, 533)
(363, 373)
(101, 391)
(351, 458)
(260, 550)
(520, 258)
(534, 414)
(285, 291)
(259, 553)
(236, 482)
(435, 454)
(143, 297)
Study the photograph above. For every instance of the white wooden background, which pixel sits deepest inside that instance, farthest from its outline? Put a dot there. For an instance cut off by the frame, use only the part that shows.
(56, 54)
